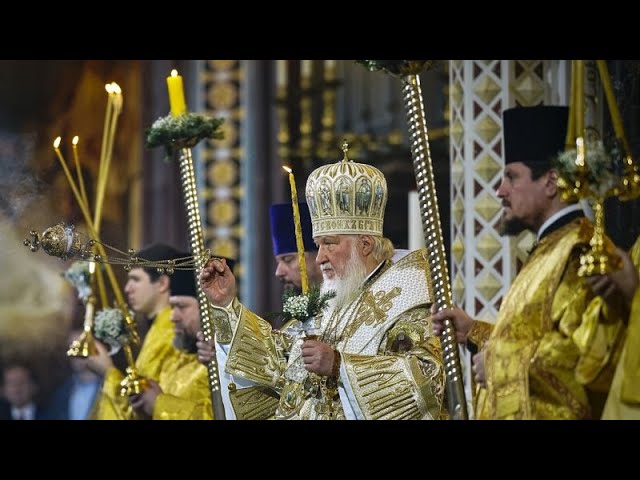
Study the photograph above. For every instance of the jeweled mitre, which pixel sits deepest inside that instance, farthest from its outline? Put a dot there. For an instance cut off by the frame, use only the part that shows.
(346, 198)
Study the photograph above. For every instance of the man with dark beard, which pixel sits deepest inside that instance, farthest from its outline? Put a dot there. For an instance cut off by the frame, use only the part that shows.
(181, 391)
(551, 351)
(374, 356)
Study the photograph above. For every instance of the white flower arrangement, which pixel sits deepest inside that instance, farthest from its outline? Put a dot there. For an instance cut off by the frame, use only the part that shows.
(109, 327)
(302, 307)
(600, 168)
(78, 275)
(296, 306)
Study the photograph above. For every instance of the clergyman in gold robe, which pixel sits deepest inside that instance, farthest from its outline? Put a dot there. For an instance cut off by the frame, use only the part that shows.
(372, 355)
(552, 350)
(148, 293)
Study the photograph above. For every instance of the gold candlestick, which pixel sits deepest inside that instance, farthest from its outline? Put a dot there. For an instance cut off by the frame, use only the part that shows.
(84, 346)
(132, 383)
(602, 258)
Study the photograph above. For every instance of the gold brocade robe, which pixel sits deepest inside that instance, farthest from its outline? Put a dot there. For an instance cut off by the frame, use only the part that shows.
(553, 341)
(156, 349)
(185, 390)
(623, 402)
(391, 363)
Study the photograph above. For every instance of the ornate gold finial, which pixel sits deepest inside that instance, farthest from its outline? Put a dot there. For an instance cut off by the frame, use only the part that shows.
(345, 149)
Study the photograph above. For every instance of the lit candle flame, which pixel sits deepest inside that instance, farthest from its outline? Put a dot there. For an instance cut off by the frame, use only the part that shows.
(174, 73)
(75, 140)
(287, 169)
(116, 88)
(56, 142)
(92, 267)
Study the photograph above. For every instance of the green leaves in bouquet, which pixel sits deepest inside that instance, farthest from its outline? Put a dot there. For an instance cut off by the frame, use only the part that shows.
(301, 307)
(398, 68)
(184, 131)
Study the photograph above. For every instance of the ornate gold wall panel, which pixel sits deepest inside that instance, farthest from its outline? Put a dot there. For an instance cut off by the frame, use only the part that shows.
(222, 193)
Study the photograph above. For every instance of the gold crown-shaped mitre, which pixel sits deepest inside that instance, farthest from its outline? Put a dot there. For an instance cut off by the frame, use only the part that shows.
(346, 198)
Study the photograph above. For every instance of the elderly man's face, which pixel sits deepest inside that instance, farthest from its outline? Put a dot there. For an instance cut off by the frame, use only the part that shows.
(343, 266)
(334, 252)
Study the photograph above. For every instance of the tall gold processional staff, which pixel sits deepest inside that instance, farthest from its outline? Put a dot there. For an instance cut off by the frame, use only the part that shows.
(180, 131)
(408, 71)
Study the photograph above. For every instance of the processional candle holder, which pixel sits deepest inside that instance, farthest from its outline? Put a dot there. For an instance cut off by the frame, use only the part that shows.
(593, 178)
(179, 133)
(593, 173)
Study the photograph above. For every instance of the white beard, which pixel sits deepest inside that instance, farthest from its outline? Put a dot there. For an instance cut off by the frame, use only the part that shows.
(346, 287)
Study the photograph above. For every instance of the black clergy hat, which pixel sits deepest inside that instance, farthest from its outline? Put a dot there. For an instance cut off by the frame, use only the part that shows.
(160, 251)
(183, 283)
(534, 135)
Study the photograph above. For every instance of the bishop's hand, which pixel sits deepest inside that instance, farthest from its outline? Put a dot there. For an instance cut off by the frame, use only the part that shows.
(217, 282)
(318, 357)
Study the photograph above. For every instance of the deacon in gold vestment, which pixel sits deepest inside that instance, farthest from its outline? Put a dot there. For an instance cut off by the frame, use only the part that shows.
(372, 354)
(554, 342)
(170, 370)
